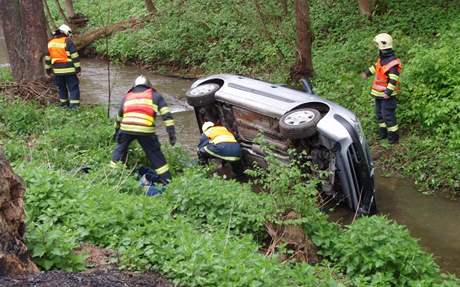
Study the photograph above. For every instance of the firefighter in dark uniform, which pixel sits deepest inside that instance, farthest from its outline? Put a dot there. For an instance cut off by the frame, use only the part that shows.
(385, 87)
(219, 142)
(63, 61)
(136, 120)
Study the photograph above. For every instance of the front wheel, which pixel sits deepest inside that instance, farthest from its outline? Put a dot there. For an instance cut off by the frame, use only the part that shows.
(202, 95)
(300, 123)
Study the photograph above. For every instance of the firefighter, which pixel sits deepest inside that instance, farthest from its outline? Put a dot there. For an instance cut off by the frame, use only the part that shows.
(63, 61)
(136, 120)
(385, 87)
(219, 142)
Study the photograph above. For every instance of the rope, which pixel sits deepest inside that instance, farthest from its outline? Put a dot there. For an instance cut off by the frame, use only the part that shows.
(108, 59)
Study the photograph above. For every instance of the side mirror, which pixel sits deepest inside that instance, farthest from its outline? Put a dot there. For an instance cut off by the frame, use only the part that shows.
(307, 86)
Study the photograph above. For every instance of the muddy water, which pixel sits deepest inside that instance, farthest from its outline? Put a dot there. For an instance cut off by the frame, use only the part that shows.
(434, 220)
(94, 90)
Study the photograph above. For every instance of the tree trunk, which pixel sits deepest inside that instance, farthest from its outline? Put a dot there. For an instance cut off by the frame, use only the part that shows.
(61, 12)
(14, 257)
(304, 64)
(366, 7)
(68, 4)
(150, 7)
(85, 39)
(26, 40)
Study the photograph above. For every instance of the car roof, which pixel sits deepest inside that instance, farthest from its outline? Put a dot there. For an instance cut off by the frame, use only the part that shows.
(266, 98)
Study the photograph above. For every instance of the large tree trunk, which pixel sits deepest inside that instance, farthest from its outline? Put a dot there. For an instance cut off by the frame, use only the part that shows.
(68, 4)
(367, 7)
(304, 64)
(26, 40)
(150, 7)
(14, 258)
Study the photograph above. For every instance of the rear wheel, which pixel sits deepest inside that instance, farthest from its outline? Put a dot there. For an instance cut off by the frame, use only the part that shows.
(202, 95)
(300, 123)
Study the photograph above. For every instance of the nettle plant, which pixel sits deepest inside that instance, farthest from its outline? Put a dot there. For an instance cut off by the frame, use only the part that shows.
(293, 185)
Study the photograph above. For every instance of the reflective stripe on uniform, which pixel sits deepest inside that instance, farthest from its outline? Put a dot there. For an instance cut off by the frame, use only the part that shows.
(164, 110)
(393, 128)
(139, 129)
(382, 125)
(77, 65)
(377, 93)
(169, 123)
(47, 67)
(229, 158)
(372, 69)
(53, 44)
(74, 55)
(63, 70)
(391, 86)
(147, 102)
(63, 100)
(137, 115)
(74, 101)
(394, 77)
(163, 169)
(134, 120)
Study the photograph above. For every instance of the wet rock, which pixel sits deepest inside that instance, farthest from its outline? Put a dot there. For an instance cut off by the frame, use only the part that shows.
(14, 256)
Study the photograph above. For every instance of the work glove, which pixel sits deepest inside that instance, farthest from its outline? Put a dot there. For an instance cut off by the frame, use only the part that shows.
(172, 134)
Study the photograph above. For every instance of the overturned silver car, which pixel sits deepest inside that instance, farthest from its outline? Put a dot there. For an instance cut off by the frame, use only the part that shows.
(288, 118)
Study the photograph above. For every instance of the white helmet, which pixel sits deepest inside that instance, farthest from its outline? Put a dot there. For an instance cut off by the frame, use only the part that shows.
(142, 81)
(65, 29)
(384, 41)
(206, 126)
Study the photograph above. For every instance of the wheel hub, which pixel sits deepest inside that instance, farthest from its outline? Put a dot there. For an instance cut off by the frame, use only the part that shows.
(299, 118)
(203, 89)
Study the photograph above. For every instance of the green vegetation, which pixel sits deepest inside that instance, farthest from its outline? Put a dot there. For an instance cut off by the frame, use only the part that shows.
(202, 37)
(203, 231)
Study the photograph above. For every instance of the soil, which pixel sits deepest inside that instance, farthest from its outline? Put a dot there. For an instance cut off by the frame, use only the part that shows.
(103, 274)
(93, 278)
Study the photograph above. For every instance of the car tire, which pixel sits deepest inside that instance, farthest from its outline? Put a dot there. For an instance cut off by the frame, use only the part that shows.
(202, 95)
(300, 123)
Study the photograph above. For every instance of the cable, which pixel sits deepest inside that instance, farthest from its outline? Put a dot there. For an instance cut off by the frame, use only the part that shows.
(108, 59)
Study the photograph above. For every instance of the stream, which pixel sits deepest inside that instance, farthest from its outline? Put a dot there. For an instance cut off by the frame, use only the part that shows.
(434, 220)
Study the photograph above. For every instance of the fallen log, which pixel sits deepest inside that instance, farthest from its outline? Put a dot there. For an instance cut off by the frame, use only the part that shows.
(85, 39)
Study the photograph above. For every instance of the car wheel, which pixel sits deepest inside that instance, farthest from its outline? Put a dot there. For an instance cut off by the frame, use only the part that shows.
(299, 123)
(202, 95)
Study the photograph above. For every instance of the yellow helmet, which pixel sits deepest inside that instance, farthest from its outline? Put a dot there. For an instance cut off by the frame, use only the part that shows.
(206, 126)
(383, 41)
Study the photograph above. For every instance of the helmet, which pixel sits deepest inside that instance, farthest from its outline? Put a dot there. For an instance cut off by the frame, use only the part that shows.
(383, 41)
(142, 81)
(65, 29)
(207, 125)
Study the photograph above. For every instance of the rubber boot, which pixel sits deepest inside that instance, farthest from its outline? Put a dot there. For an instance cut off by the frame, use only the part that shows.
(393, 137)
(383, 133)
